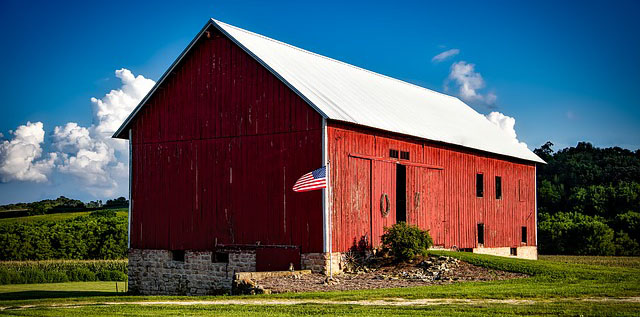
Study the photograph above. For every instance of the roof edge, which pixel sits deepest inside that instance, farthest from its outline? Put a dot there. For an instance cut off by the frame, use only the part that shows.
(415, 137)
(119, 133)
(211, 22)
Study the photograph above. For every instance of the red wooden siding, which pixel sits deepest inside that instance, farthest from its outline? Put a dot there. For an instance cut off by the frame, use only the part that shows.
(442, 200)
(216, 151)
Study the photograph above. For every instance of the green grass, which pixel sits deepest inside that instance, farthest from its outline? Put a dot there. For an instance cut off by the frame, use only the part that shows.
(122, 212)
(619, 261)
(556, 287)
(58, 290)
(554, 309)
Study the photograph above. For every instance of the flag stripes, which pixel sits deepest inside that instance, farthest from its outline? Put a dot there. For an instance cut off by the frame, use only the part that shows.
(313, 180)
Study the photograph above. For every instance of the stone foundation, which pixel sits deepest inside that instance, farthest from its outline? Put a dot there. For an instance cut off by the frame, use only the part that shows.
(319, 262)
(155, 272)
(522, 252)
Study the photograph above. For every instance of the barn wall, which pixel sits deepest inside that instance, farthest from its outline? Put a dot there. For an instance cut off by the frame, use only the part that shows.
(216, 151)
(441, 192)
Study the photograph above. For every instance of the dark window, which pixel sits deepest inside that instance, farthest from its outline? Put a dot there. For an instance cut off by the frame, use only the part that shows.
(393, 153)
(514, 251)
(220, 257)
(479, 185)
(177, 255)
(524, 234)
(401, 193)
(498, 187)
(404, 155)
(481, 233)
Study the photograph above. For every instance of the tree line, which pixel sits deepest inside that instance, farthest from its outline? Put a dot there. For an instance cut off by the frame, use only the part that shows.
(588, 200)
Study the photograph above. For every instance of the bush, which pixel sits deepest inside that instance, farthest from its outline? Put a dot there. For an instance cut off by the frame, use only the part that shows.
(575, 234)
(406, 242)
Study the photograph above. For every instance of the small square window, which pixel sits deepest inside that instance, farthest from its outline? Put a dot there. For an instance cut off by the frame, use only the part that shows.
(404, 155)
(177, 255)
(393, 153)
(220, 257)
(479, 185)
(514, 251)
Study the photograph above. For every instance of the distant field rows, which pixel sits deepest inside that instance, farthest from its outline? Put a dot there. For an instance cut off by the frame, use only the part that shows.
(121, 212)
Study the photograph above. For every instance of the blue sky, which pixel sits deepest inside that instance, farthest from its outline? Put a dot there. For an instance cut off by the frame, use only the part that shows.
(565, 72)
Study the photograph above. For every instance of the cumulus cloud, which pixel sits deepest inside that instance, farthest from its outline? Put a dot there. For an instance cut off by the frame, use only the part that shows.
(90, 154)
(506, 124)
(112, 109)
(18, 157)
(469, 83)
(446, 54)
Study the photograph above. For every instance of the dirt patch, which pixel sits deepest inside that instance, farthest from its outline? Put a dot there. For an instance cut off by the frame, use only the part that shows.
(384, 274)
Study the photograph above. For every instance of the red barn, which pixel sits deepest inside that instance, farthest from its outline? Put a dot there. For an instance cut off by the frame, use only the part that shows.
(218, 143)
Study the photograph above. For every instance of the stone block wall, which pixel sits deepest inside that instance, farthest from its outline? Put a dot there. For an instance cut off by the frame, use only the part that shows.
(319, 262)
(523, 252)
(154, 272)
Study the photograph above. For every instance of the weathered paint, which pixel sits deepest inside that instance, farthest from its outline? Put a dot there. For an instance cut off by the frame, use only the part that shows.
(441, 194)
(215, 152)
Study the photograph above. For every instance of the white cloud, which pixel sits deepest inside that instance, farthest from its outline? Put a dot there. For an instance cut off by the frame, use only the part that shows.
(90, 154)
(469, 83)
(112, 109)
(506, 124)
(18, 156)
(446, 54)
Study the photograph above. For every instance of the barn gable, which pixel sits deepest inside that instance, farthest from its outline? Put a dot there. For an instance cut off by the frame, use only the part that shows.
(215, 150)
(343, 92)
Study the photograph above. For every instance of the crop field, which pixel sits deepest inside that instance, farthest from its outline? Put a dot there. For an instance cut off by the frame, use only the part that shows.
(554, 288)
(122, 212)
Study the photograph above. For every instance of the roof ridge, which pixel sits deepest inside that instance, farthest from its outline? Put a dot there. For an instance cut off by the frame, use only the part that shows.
(333, 59)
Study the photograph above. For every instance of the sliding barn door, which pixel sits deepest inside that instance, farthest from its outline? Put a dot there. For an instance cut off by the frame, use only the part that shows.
(383, 199)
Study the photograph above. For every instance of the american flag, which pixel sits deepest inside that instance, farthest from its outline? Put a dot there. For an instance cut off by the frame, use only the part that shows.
(311, 181)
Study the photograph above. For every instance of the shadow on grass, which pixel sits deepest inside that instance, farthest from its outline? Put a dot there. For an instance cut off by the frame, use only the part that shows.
(51, 294)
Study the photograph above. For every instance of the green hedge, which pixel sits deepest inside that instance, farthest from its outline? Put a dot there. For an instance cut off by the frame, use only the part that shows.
(57, 271)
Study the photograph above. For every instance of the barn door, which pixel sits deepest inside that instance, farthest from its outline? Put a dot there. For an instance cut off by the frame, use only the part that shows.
(383, 199)
(425, 201)
(417, 196)
(357, 227)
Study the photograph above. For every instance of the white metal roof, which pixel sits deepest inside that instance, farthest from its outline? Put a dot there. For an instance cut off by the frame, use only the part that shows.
(344, 92)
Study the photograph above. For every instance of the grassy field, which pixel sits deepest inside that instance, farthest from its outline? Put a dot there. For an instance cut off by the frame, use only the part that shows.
(122, 212)
(619, 261)
(554, 288)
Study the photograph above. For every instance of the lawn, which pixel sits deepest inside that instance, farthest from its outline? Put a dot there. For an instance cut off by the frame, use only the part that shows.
(554, 288)
(619, 261)
(121, 212)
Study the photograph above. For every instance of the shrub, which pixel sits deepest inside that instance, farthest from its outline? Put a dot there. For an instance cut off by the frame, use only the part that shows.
(406, 242)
